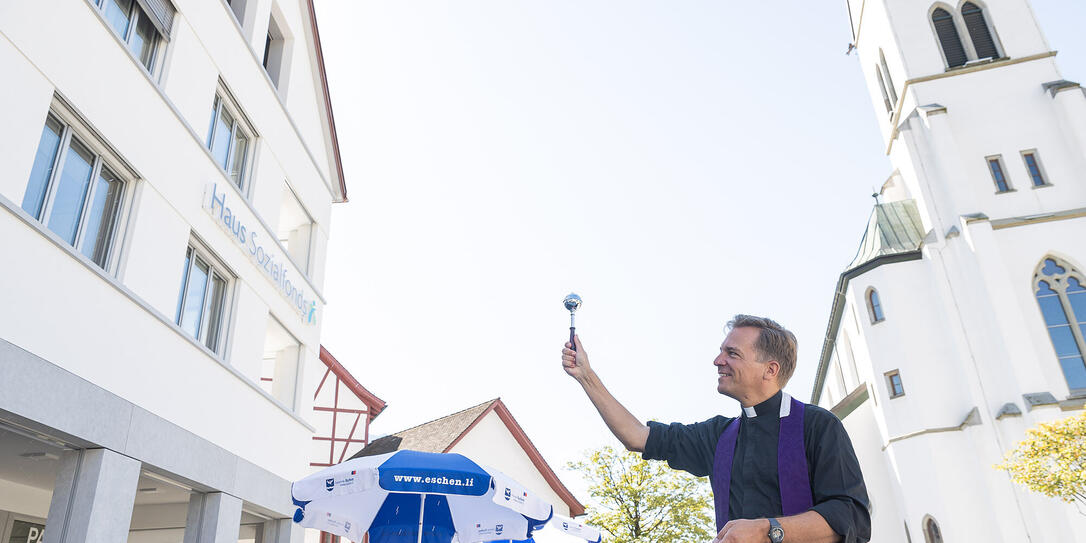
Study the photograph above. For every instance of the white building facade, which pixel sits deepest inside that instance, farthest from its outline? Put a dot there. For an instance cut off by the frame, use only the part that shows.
(961, 322)
(167, 172)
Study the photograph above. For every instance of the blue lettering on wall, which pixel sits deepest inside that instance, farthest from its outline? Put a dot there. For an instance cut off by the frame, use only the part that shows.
(273, 269)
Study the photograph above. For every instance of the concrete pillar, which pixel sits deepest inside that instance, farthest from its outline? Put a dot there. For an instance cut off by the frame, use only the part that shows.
(213, 518)
(93, 498)
(283, 530)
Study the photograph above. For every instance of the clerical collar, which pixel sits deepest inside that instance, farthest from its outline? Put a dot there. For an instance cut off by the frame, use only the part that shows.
(772, 406)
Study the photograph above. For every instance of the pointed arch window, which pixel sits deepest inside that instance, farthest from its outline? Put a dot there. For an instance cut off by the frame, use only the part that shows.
(874, 306)
(1061, 293)
(882, 86)
(889, 80)
(949, 40)
(977, 26)
(932, 534)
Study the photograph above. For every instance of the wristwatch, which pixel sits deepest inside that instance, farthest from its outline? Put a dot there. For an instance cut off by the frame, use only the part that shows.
(776, 533)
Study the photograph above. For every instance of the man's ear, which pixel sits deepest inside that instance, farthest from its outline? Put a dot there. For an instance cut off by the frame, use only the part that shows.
(772, 370)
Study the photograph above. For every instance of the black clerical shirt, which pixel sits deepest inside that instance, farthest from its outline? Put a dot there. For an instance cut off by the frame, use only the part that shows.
(836, 482)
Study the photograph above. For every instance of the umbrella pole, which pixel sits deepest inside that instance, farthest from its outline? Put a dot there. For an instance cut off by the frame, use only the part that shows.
(422, 511)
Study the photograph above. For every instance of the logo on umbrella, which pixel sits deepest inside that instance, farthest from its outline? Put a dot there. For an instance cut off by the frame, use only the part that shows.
(565, 525)
(508, 494)
(347, 526)
(498, 529)
(329, 484)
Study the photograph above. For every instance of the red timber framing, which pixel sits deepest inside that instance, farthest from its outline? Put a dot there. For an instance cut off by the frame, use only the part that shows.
(352, 408)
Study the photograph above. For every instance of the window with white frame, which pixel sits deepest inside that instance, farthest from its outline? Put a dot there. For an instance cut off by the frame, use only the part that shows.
(279, 368)
(201, 304)
(74, 189)
(229, 139)
(143, 25)
(295, 229)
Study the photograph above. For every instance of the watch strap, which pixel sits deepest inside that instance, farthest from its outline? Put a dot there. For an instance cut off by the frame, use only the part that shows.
(775, 526)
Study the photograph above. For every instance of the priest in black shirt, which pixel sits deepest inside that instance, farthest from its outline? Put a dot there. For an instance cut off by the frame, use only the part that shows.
(782, 471)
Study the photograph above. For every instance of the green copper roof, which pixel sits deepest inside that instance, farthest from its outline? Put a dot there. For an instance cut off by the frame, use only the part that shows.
(894, 227)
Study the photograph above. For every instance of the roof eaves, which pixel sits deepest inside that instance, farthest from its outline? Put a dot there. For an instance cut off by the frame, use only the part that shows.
(342, 196)
(376, 405)
(838, 309)
(576, 508)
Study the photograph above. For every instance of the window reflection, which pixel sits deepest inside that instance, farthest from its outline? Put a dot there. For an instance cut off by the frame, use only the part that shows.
(71, 191)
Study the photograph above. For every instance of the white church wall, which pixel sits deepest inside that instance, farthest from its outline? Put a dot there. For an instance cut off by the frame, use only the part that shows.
(886, 518)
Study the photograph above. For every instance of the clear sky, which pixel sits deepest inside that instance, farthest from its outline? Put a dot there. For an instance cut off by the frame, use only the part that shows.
(673, 162)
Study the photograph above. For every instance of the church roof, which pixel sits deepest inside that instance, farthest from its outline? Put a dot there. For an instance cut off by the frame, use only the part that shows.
(893, 228)
(894, 234)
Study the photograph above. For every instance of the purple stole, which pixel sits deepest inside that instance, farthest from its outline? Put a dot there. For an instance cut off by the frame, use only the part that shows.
(792, 473)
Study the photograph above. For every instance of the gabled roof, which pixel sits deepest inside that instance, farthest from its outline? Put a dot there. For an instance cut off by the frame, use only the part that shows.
(341, 193)
(894, 233)
(375, 404)
(441, 435)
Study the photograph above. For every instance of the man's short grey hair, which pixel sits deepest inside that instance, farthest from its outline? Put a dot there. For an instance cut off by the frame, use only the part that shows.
(775, 342)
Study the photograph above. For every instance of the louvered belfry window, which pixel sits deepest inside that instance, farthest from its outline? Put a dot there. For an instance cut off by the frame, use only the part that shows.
(949, 39)
(977, 25)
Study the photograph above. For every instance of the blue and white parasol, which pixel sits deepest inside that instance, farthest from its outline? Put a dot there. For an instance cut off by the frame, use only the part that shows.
(571, 527)
(415, 497)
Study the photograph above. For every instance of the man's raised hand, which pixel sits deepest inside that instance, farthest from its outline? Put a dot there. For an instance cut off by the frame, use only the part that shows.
(575, 362)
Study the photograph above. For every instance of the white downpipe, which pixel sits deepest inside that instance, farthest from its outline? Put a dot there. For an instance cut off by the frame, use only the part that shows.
(422, 511)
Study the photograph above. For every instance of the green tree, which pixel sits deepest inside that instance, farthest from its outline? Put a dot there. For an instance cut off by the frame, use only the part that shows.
(637, 500)
(1052, 460)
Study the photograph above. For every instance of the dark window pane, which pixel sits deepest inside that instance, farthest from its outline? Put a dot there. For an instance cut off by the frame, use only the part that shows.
(997, 175)
(978, 31)
(1052, 310)
(184, 281)
(889, 80)
(882, 86)
(192, 313)
(267, 50)
(214, 315)
(214, 117)
(102, 217)
(71, 191)
(44, 160)
(949, 40)
(1064, 341)
(117, 12)
(1075, 372)
(1034, 170)
(143, 40)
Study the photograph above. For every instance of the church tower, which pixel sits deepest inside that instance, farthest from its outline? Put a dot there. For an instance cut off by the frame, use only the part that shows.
(961, 321)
